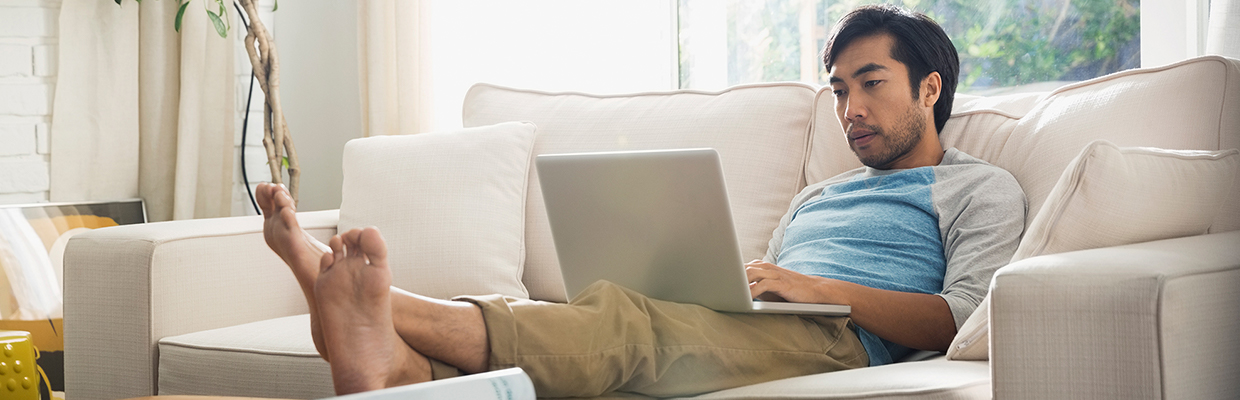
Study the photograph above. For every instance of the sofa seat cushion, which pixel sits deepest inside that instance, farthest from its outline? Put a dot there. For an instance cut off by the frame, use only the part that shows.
(936, 378)
(273, 358)
(276, 358)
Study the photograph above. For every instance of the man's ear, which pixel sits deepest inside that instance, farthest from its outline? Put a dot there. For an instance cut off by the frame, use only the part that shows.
(931, 88)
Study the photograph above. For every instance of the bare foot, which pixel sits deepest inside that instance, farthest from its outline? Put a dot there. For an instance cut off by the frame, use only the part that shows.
(295, 246)
(286, 238)
(355, 309)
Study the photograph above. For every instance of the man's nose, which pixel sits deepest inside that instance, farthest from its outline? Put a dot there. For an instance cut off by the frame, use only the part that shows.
(855, 110)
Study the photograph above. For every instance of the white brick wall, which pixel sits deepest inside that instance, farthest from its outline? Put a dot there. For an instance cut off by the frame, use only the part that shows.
(18, 139)
(29, 18)
(16, 60)
(28, 40)
(27, 174)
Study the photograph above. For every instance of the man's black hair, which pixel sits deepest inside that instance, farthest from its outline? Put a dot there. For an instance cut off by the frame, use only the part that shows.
(920, 44)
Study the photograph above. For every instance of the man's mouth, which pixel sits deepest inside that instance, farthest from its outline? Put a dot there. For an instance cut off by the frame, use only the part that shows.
(861, 137)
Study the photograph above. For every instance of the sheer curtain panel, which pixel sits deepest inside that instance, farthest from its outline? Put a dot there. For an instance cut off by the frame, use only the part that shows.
(143, 111)
(394, 64)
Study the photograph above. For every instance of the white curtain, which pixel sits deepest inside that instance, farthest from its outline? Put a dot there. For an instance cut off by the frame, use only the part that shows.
(394, 64)
(1224, 33)
(142, 111)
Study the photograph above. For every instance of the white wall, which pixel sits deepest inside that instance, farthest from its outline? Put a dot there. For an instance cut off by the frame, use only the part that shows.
(317, 45)
(28, 39)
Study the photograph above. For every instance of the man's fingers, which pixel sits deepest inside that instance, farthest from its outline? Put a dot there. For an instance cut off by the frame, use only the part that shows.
(756, 289)
(767, 289)
(756, 274)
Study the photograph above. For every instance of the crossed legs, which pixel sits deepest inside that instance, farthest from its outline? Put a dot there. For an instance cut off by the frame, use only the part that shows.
(376, 336)
(373, 335)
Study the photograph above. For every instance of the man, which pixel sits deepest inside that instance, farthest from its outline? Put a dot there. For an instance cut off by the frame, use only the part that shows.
(910, 242)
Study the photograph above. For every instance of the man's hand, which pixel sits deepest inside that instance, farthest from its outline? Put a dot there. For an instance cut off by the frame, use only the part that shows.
(771, 282)
(919, 321)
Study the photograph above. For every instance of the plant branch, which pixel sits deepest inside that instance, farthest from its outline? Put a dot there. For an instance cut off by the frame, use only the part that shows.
(263, 56)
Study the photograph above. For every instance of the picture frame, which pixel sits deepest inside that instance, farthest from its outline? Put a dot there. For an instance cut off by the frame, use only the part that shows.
(33, 238)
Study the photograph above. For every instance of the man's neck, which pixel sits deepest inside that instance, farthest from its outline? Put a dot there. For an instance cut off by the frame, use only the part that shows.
(928, 153)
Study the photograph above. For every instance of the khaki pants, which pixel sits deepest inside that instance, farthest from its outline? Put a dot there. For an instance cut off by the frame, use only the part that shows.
(610, 338)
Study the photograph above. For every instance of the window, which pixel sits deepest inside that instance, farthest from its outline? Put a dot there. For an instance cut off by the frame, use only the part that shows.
(1004, 45)
(596, 46)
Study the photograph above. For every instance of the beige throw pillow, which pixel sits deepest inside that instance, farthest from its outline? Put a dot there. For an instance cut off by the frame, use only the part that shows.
(451, 206)
(1112, 196)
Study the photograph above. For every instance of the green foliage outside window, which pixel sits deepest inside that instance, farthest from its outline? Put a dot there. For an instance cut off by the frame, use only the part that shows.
(1001, 43)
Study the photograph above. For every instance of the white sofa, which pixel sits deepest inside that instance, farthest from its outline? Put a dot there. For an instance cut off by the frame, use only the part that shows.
(203, 307)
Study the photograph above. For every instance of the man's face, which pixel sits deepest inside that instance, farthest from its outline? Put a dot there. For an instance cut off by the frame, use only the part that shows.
(875, 104)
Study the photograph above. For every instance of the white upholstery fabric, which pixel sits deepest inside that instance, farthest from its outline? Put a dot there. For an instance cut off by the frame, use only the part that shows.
(450, 205)
(1110, 196)
(1186, 106)
(128, 286)
(829, 153)
(972, 340)
(273, 358)
(760, 132)
(932, 379)
(977, 127)
(1143, 321)
(980, 125)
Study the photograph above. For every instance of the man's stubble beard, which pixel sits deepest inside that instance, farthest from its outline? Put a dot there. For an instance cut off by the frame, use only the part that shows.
(907, 136)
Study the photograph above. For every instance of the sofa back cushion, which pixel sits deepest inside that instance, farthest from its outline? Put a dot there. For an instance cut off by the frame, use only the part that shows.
(1190, 105)
(760, 131)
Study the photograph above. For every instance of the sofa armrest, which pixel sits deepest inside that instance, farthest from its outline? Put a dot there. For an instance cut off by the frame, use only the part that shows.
(1150, 320)
(127, 287)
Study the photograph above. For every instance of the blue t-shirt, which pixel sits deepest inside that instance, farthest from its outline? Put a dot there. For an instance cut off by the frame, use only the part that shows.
(935, 230)
(837, 236)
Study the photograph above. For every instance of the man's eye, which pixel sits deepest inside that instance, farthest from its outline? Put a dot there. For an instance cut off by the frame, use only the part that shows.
(839, 93)
(872, 83)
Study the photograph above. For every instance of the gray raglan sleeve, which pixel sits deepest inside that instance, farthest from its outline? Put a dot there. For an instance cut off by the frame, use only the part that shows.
(981, 217)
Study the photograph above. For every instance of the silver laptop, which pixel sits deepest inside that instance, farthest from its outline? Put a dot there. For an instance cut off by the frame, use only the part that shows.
(657, 222)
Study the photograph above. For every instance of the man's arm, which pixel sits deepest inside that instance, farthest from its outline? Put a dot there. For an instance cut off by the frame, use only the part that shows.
(915, 320)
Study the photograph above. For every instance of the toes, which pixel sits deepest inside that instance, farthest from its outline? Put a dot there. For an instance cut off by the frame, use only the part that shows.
(371, 243)
(337, 254)
(352, 240)
(281, 199)
(289, 218)
(326, 261)
(263, 195)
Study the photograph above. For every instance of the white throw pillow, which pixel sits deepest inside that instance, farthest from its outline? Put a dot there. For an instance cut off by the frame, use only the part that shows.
(1112, 196)
(451, 206)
